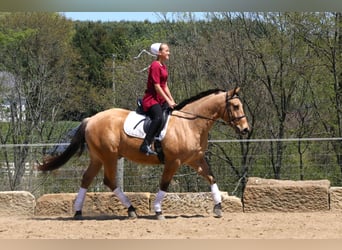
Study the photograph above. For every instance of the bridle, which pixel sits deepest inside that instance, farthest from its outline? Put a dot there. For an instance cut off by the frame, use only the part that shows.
(232, 121)
(227, 110)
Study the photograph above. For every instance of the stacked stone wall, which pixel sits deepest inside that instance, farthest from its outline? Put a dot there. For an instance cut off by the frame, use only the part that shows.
(260, 195)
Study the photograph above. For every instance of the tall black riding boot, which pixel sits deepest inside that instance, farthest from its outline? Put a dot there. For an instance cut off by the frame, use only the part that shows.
(155, 113)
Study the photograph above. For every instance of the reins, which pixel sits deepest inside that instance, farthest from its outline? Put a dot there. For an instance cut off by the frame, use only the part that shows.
(196, 116)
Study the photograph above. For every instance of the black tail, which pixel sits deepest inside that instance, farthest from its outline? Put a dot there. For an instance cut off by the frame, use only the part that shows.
(77, 144)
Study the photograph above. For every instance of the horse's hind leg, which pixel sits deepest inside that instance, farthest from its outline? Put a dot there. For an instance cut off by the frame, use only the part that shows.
(87, 178)
(110, 181)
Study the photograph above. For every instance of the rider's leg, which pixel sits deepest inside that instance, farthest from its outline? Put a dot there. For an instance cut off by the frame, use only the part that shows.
(155, 112)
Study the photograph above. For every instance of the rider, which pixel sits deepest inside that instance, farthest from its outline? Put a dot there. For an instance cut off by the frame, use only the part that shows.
(157, 94)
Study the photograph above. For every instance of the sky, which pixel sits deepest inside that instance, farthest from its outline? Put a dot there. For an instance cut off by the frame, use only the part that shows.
(117, 16)
(112, 16)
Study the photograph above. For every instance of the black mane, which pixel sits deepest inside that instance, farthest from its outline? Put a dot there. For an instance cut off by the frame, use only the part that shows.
(197, 97)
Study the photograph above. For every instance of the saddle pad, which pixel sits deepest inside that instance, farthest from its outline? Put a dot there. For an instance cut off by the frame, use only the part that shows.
(134, 126)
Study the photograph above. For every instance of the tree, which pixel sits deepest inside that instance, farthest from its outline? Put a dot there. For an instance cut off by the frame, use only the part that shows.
(278, 53)
(322, 32)
(36, 52)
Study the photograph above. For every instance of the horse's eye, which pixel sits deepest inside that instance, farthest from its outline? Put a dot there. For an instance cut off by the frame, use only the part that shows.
(236, 107)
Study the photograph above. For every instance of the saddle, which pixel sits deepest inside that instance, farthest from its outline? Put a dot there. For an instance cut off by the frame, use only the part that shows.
(138, 122)
(147, 121)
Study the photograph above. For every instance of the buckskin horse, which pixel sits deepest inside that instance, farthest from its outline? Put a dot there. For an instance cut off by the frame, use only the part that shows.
(185, 142)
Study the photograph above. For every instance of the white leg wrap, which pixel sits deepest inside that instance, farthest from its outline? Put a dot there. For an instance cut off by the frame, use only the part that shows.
(216, 194)
(122, 197)
(80, 199)
(158, 202)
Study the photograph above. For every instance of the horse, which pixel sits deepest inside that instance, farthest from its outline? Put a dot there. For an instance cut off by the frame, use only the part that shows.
(185, 143)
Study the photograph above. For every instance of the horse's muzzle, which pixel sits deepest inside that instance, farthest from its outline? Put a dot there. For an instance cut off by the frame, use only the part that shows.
(244, 131)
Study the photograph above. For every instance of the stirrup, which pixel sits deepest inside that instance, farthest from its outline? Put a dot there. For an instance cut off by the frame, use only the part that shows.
(147, 150)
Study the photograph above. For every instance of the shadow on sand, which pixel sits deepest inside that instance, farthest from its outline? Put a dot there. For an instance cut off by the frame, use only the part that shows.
(114, 217)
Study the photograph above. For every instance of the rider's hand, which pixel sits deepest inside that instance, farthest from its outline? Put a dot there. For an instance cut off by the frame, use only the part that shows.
(172, 105)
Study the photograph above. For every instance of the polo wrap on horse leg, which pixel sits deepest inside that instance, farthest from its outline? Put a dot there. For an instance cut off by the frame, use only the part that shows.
(122, 197)
(80, 199)
(217, 200)
(216, 194)
(158, 201)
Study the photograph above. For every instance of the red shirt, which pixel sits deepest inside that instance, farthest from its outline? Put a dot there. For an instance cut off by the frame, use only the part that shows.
(157, 74)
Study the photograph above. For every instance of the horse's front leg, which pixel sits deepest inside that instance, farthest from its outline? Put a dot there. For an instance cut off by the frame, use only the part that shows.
(217, 199)
(203, 169)
(170, 169)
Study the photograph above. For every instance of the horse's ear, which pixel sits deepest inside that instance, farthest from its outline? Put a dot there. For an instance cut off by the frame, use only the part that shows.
(236, 90)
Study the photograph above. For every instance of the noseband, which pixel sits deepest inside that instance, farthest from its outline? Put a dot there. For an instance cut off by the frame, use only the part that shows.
(232, 119)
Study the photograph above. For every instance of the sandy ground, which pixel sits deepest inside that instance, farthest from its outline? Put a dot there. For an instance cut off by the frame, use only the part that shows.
(318, 225)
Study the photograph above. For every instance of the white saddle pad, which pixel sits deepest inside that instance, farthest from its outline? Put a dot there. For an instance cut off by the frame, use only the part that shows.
(134, 126)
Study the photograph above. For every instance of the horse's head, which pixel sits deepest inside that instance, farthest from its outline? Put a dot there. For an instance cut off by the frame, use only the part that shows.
(235, 115)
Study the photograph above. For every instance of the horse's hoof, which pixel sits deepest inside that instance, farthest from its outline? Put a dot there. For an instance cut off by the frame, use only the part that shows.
(218, 210)
(160, 216)
(131, 213)
(78, 215)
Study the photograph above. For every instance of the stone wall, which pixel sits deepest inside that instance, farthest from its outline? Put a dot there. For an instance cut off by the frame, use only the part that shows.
(107, 203)
(94, 204)
(268, 195)
(18, 203)
(336, 199)
(260, 195)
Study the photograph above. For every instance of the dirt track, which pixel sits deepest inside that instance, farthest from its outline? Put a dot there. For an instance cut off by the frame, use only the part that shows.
(318, 225)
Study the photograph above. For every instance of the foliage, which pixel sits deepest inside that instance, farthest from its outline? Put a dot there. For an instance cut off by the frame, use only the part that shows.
(288, 65)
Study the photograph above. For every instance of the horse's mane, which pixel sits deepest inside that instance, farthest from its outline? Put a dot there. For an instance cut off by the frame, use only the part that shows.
(197, 97)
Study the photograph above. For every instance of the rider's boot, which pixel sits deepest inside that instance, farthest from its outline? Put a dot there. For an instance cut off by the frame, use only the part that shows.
(146, 148)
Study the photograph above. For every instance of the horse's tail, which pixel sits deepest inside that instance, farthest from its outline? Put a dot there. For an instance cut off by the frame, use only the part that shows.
(77, 144)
